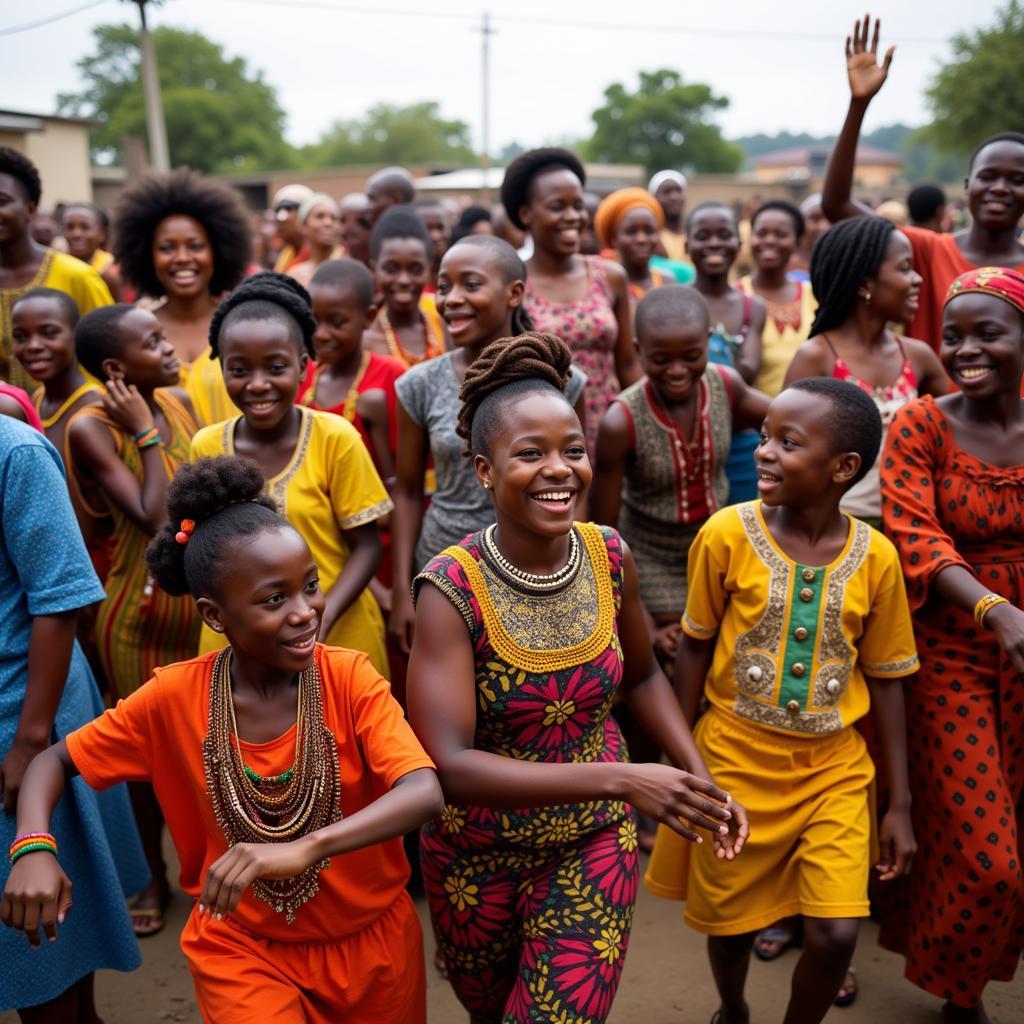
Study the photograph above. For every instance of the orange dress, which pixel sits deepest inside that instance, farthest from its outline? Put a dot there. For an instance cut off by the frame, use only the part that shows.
(355, 951)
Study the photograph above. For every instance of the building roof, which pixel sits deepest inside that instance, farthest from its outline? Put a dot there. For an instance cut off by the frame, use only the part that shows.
(23, 121)
(800, 156)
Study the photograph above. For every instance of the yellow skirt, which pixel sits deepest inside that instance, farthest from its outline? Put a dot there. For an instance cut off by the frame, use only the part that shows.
(810, 805)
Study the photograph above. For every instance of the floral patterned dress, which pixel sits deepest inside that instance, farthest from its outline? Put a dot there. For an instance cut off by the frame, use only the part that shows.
(532, 907)
(590, 328)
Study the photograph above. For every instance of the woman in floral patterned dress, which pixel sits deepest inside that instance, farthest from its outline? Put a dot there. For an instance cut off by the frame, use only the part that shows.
(530, 630)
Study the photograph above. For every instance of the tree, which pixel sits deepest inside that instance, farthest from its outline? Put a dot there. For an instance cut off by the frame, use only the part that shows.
(978, 92)
(665, 123)
(389, 134)
(220, 116)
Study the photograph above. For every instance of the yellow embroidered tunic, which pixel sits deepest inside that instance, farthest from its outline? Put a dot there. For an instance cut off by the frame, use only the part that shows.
(329, 485)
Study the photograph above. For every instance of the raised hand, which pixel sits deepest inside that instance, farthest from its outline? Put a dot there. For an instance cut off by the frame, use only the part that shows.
(126, 406)
(678, 799)
(866, 75)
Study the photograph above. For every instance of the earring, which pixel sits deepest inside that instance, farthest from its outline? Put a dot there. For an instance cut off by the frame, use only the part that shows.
(867, 298)
(487, 485)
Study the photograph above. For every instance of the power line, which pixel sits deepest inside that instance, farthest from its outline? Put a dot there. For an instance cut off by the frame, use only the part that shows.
(28, 25)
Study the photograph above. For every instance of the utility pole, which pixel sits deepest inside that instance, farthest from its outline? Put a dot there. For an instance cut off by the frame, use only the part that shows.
(485, 122)
(159, 152)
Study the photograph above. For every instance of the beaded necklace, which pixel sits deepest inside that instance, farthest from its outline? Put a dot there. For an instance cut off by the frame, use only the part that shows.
(540, 583)
(431, 348)
(348, 407)
(301, 800)
(49, 421)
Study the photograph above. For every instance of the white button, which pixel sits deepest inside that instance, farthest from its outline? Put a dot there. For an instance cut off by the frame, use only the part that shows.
(754, 673)
(833, 686)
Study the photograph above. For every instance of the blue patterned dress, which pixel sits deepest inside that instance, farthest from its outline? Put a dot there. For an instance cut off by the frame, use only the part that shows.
(44, 570)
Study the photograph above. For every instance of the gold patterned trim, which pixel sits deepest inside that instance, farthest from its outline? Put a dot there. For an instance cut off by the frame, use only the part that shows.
(451, 591)
(695, 629)
(817, 723)
(905, 667)
(277, 486)
(368, 515)
(505, 645)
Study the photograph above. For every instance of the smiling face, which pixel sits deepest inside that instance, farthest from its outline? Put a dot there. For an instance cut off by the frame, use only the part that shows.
(713, 241)
(982, 345)
(555, 213)
(262, 369)
(146, 358)
(472, 297)
(796, 460)
(15, 210)
(401, 272)
(637, 237)
(340, 321)
(42, 339)
(772, 239)
(674, 356)
(538, 466)
(83, 232)
(896, 288)
(270, 604)
(182, 257)
(995, 185)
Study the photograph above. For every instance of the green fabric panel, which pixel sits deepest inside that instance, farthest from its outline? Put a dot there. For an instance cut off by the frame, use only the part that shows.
(801, 614)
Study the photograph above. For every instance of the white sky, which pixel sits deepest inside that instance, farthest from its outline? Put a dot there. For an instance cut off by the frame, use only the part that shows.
(780, 64)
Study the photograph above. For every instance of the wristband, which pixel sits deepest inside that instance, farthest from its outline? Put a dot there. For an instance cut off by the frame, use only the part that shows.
(985, 605)
(145, 438)
(31, 842)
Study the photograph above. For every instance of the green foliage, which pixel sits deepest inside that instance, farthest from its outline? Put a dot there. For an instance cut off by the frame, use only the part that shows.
(389, 134)
(978, 92)
(665, 123)
(220, 116)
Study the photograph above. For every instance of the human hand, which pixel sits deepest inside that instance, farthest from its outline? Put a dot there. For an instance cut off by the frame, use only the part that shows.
(1007, 622)
(13, 769)
(402, 621)
(866, 75)
(728, 846)
(230, 875)
(666, 640)
(678, 799)
(37, 894)
(897, 845)
(127, 407)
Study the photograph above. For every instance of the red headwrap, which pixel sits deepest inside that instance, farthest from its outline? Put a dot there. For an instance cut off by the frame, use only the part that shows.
(1004, 284)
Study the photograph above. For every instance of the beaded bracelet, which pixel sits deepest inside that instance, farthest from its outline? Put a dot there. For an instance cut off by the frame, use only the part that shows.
(146, 438)
(30, 843)
(985, 605)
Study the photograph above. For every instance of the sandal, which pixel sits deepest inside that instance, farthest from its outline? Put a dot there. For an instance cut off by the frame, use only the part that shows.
(784, 938)
(155, 915)
(850, 985)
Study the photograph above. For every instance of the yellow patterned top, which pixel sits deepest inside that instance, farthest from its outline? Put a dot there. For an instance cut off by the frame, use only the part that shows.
(795, 642)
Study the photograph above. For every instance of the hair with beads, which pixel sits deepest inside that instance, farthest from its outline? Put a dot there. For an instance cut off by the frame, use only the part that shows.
(267, 296)
(18, 166)
(842, 258)
(510, 266)
(223, 500)
(508, 368)
(216, 206)
(523, 171)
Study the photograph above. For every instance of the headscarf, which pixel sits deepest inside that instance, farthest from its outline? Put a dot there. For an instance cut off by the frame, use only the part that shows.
(291, 195)
(1001, 282)
(615, 206)
(314, 200)
(662, 176)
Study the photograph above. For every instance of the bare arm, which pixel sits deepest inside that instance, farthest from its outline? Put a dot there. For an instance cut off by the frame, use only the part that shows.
(931, 377)
(866, 77)
(363, 561)
(627, 359)
(693, 661)
(749, 406)
(812, 359)
(748, 358)
(373, 409)
(613, 449)
(9, 407)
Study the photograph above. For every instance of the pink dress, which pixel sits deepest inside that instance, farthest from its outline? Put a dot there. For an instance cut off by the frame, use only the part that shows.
(589, 327)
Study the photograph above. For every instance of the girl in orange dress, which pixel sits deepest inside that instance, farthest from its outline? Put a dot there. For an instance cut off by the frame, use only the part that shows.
(953, 502)
(286, 821)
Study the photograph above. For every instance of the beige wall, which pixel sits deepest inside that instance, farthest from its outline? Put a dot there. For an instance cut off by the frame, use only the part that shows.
(61, 152)
(869, 176)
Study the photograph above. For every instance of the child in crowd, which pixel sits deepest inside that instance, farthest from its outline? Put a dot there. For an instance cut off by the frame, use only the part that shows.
(86, 230)
(315, 465)
(407, 326)
(795, 613)
(285, 821)
(123, 453)
(712, 243)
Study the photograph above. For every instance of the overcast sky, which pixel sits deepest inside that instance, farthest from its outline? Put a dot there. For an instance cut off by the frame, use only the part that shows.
(780, 65)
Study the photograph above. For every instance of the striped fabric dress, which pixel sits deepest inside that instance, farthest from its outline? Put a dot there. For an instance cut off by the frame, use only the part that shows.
(139, 626)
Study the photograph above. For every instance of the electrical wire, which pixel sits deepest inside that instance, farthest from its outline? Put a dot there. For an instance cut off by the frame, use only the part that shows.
(27, 26)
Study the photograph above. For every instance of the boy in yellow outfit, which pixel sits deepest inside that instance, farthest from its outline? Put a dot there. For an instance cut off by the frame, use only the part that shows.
(795, 612)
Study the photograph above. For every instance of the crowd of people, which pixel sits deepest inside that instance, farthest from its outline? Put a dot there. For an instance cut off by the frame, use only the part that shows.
(551, 538)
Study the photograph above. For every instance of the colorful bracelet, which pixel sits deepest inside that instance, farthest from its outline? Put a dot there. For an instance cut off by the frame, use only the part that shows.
(146, 438)
(32, 842)
(985, 605)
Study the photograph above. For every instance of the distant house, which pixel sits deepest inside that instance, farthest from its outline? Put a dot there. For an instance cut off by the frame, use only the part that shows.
(876, 168)
(58, 146)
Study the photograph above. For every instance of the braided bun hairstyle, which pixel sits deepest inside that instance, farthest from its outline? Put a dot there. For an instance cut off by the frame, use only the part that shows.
(842, 257)
(267, 296)
(508, 368)
(224, 499)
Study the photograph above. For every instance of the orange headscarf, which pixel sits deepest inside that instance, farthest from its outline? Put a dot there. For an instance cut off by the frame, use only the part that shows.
(615, 206)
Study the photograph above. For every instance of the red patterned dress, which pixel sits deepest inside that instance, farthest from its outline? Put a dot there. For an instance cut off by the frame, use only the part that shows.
(958, 918)
(532, 907)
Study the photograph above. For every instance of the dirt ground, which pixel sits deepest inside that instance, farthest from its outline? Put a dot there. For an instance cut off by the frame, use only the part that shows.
(666, 981)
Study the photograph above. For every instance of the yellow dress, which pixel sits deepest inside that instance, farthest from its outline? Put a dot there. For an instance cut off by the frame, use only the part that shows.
(66, 274)
(675, 245)
(329, 485)
(779, 345)
(203, 380)
(787, 682)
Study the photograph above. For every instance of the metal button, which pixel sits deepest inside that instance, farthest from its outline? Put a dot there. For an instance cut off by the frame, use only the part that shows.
(833, 686)
(800, 633)
(806, 595)
(754, 673)
(793, 707)
(809, 575)
(798, 669)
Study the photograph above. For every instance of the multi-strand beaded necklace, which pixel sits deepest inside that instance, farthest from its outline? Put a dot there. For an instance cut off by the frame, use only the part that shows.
(252, 809)
(530, 581)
